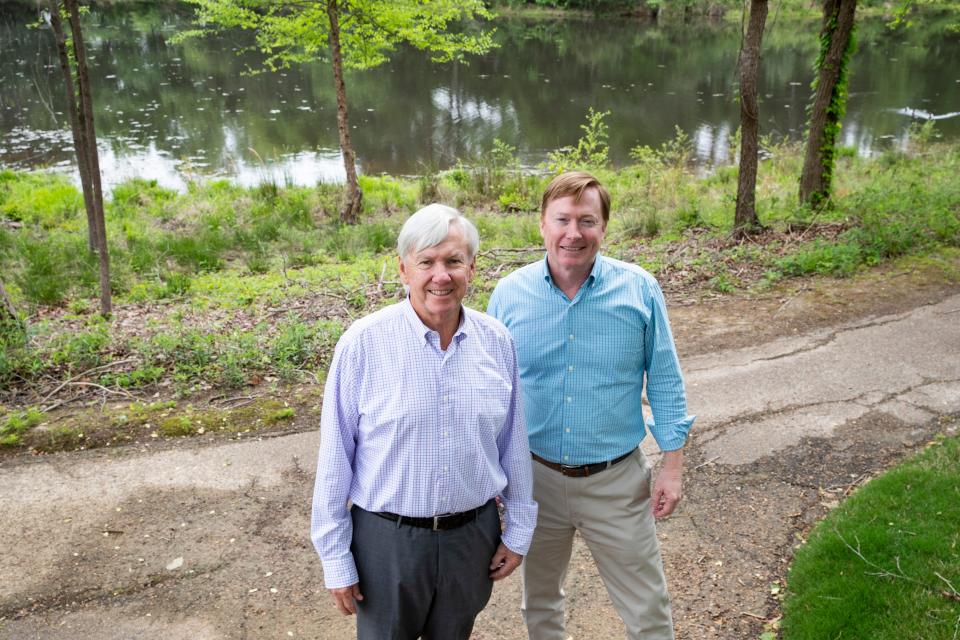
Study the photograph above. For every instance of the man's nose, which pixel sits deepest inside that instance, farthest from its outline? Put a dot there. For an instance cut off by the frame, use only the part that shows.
(441, 273)
(572, 230)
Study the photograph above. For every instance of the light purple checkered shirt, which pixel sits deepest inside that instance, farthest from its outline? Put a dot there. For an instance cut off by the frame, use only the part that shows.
(410, 429)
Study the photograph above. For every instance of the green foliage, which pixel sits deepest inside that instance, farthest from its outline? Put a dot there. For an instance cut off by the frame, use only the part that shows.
(130, 199)
(822, 257)
(16, 424)
(348, 242)
(141, 376)
(83, 349)
(174, 426)
(43, 276)
(288, 31)
(496, 176)
(592, 150)
(281, 415)
(384, 194)
(921, 135)
(46, 200)
(879, 565)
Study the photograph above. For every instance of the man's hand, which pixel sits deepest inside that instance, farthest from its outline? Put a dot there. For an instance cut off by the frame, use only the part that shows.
(504, 562)
(346, 598)
(668, 488)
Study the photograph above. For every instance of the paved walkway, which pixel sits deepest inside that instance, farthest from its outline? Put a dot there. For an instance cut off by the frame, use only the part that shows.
(211, 542)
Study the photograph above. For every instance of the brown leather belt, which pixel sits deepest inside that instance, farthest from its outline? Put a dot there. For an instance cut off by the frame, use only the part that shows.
(583, 470)
(437, 523)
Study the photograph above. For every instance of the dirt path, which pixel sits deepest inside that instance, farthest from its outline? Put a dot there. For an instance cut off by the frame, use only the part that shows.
(801, 396)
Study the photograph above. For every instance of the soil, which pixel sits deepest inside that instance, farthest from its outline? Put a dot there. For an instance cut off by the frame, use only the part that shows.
(163, 542)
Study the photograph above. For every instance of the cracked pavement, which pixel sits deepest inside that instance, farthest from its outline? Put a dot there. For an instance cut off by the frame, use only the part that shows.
(211, 542)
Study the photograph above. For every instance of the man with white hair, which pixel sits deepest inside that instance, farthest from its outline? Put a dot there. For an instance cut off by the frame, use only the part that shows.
(422, 428)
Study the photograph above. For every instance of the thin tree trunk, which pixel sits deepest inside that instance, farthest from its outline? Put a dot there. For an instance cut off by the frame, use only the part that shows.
(90, 140)
(829, 101)
(350, 210)
(746, 217)
(56, 24)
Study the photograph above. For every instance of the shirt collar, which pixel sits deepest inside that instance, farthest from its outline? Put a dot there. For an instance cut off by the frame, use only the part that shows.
(595, 273)
(422, 330)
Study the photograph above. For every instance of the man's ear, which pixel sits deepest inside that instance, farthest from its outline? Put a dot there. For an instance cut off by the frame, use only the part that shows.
(473, 268)
(403, 271)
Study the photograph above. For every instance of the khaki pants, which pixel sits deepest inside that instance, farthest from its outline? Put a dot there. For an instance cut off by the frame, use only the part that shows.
(611, 510)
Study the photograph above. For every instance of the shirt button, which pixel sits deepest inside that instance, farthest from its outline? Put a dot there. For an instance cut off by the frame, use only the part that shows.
(571, 336)
(568, 429)
(446, 433)
(446, 398)
(570, 368)
(566, 457)
(445, 467)
(569, 399)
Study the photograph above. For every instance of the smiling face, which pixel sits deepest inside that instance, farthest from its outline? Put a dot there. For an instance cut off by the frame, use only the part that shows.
(438, 277)
(572, 232)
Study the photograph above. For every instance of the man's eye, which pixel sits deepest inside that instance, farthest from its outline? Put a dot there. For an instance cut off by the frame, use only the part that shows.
(589, 223)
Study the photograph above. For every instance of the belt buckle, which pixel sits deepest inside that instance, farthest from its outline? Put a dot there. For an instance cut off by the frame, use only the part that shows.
(569, 469)
(436, 523)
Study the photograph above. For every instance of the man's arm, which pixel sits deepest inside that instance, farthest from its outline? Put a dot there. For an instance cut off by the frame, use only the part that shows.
(331, 526)
(668, 402)
(517, 496)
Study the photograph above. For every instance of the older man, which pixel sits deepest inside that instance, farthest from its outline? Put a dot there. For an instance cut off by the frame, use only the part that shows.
(422, 428)
(590, 331)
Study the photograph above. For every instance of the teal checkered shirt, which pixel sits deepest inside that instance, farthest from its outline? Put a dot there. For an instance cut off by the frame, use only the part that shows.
(583, 362)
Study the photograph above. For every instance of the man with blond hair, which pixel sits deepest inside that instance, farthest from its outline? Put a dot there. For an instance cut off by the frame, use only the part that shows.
(591, 332)
(421, 430)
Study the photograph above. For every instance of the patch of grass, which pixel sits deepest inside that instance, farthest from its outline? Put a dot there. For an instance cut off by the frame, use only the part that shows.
(287, 413)
(879, 565)
(175, 426)
(823, 257)
(45, 200)
(16, 424)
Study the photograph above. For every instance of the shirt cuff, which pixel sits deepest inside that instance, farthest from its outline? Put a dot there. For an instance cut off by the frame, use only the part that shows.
(340, 572)
(518, 535)
(671, 436)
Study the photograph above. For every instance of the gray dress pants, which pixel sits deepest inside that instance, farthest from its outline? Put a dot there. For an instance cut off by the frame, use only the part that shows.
(420, 583)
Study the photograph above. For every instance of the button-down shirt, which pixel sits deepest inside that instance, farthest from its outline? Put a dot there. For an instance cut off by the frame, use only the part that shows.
(411, 429)
(583, 362)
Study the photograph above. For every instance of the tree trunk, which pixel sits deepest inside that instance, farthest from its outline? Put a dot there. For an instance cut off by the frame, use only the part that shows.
(90, 142)
(829, 101)
(83, 165)
(746, 217)
(353, 199)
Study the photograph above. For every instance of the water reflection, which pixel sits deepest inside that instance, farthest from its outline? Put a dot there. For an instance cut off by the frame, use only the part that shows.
(173, 113)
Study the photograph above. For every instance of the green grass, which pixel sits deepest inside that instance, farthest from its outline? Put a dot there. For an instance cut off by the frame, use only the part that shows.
(15, 424)
(878, 567)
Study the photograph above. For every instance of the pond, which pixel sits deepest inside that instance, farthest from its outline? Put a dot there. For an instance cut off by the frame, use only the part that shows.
(176, 112)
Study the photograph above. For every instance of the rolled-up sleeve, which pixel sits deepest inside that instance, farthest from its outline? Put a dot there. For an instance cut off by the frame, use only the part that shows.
(664, 385)
(331, 526)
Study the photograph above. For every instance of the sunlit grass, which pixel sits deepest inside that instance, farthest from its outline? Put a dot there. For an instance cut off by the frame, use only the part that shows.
(885, 565)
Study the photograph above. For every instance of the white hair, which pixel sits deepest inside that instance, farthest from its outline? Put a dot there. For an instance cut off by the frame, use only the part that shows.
(430, 226)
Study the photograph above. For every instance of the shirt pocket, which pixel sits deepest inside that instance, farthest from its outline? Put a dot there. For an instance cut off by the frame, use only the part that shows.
(489, 411)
